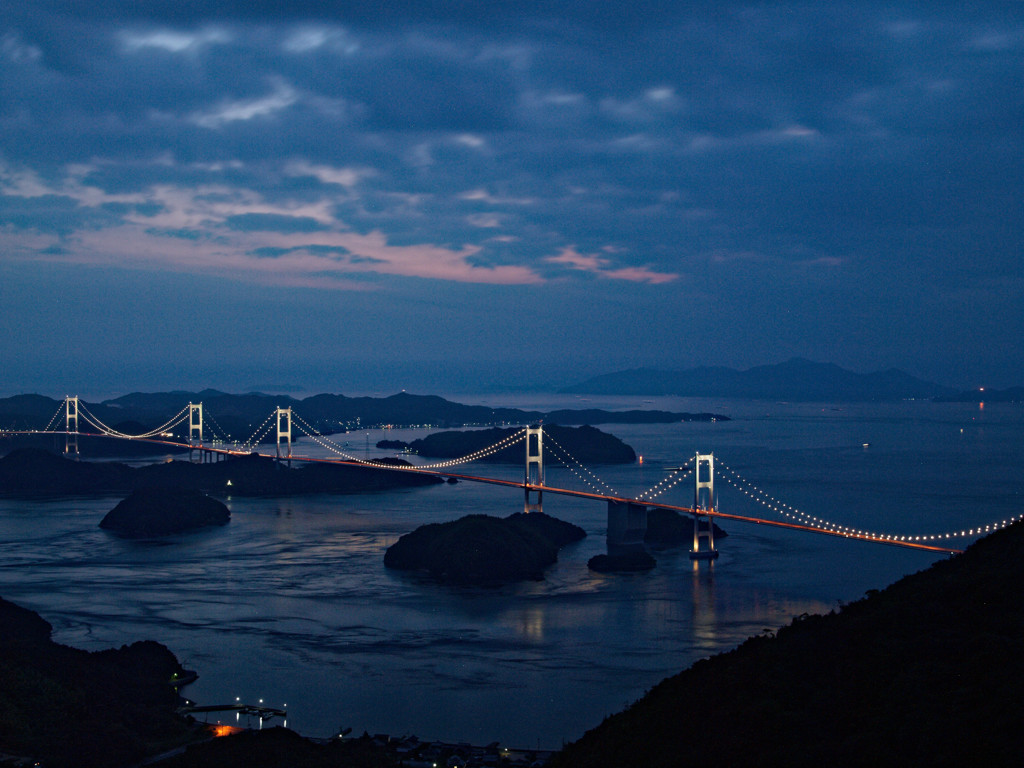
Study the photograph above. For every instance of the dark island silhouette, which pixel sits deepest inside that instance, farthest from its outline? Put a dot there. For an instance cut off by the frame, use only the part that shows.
(796, 379)
(34, 471)
(585, 444)
(484, 550)
(666, 528)
(68, 708)
(627, 561)
(154, 512)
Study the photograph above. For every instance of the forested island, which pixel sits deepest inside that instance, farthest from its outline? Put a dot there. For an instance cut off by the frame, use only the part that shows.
(153, 512)
(484, 550)
(586, 444)
(33, 471)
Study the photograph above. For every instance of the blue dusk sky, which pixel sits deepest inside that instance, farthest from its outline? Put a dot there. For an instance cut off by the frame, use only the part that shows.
(458, 196)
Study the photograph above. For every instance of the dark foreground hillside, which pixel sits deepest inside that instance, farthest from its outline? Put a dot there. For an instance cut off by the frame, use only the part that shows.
(74, 709)
(927, 672)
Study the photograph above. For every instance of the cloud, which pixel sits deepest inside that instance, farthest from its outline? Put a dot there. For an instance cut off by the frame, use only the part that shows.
(173, 41)
(599, 265)
(221, 230)
(331, 143)
(344, 177)
(282, 97)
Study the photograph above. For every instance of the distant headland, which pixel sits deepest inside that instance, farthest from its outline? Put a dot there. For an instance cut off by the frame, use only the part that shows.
(796, 380)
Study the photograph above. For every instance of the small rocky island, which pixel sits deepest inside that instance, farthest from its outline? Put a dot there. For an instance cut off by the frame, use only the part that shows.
(162, 511)
(484, 550)
(666, 528)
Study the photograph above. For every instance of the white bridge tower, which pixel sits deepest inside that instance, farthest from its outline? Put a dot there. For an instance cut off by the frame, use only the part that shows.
(534, 467)
(71, 424)
(703, 525)
(284, 432)
(195, 429)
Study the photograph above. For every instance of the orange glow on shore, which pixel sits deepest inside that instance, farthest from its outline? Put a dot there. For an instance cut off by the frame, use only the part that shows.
(225, 730)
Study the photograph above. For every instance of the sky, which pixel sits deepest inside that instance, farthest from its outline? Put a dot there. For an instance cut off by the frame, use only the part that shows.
(478, 196)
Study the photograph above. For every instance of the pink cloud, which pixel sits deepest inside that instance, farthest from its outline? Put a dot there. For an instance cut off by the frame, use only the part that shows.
(598, 265)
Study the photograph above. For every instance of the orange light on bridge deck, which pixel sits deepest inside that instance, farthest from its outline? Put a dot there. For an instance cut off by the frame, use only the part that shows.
(225, 730)
(640, 460)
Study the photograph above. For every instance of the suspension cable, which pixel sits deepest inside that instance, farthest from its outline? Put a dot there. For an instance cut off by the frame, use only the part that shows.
(223, 432)
(266, 421)
(60, 408)
(786, 510)
(551, 441)
(679, 474)
(110, 431)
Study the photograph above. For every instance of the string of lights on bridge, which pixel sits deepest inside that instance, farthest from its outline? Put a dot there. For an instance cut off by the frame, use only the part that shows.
(89, 418)
(749, 489)
(257, 436)
(552, 442)
(217, 427)
(680, 474)
(60, 409)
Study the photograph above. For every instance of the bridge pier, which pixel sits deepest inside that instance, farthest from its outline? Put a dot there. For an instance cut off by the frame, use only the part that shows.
(534, 468)
(703, 525)
(627, 527)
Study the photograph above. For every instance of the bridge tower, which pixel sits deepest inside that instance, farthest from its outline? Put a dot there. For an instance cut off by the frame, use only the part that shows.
(284, 416)
(71, 424)
(703, 525)
(195, 429)
(534, 467)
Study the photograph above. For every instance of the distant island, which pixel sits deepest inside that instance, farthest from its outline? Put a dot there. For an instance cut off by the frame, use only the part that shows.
(586, 444)
(1010, 395)
(484, 550)
(34, 471)
(796, 380)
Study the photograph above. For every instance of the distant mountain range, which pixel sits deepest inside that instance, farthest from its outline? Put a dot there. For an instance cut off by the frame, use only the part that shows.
(795, 380)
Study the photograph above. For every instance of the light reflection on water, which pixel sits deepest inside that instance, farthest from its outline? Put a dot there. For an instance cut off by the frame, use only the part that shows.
(290, 602)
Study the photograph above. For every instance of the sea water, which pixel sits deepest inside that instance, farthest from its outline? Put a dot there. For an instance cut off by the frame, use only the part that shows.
(290, 602)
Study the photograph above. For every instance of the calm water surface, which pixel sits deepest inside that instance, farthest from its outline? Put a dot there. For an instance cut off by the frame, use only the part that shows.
(290, 602)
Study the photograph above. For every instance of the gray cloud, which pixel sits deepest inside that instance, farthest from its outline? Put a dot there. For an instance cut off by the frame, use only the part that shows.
(862, 147)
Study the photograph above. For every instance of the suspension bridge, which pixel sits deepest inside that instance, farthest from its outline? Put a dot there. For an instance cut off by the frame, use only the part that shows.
(627, 516)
